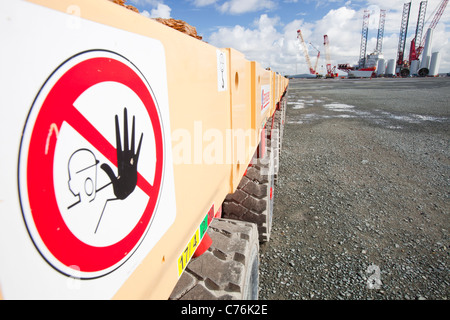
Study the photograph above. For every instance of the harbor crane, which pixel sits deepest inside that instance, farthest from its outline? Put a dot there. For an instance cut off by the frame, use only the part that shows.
(367, 63)
(404, 71)
(379, 47)
(418, 42)
(331, 72)
(415, 49)
(317, 58)
(433, 24)
(305, 52)
(364, 34)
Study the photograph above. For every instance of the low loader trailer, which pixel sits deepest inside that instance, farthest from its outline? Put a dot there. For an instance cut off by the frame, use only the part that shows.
(137, 162)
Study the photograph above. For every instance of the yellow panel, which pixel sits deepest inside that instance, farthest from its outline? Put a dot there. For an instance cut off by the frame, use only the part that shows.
(278, 87)
(207, 165)
(273, 80)
(255, 97)
(241, 115)
(200, 119)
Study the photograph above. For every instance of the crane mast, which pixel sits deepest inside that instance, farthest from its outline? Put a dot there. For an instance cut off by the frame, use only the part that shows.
(379, 47)
(305, 51)
(364, 34)
(402, 38)
(415, 50)
(330, 71)
(317, 58)
(367, 63)
(433, 24)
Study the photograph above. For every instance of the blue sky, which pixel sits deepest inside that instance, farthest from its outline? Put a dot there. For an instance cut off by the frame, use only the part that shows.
(208, 15)
(265, 30)
(208, 18)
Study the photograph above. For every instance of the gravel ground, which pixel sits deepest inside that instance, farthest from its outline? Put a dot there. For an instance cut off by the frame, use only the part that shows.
(361, 205)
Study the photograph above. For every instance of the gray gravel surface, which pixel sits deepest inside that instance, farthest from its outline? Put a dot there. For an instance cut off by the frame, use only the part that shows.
(362, 200)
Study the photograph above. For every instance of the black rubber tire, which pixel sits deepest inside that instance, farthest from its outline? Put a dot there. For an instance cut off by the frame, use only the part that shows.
(253, 199)
(404, 72)
(228, 270)
(423, 72)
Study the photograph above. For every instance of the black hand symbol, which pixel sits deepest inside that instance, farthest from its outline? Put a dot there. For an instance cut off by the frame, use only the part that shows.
(127, 161)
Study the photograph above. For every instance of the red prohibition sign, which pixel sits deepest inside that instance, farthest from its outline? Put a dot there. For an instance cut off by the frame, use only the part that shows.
(58, 107)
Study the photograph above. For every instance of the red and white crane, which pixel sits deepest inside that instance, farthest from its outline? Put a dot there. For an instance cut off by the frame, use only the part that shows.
(364, 34)
(402, 40)
(317, 58)
(433, 24)
(380, 35)
(305, 52)
(331, 72)
(415, 49)
(418, 43)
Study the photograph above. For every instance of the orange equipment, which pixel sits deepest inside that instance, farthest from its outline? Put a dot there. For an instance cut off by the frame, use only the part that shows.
(131, 136)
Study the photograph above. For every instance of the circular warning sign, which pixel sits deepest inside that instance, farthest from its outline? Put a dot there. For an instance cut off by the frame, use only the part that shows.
(91, 164)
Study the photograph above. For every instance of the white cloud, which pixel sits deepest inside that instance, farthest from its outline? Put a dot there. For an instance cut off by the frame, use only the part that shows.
(242, 6)
(145, 13)
(273, 44)
(392, 29)
(257, 44)
(158, 8)
(202, 3)
(161, 11)
(281, 50)
(152, 3)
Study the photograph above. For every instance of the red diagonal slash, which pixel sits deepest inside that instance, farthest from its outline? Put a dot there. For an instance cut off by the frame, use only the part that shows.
(78, 122)
(58, 107)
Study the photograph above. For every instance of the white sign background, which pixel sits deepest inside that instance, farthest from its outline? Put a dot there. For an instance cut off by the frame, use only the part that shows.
(38, 40)
(265, 97)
